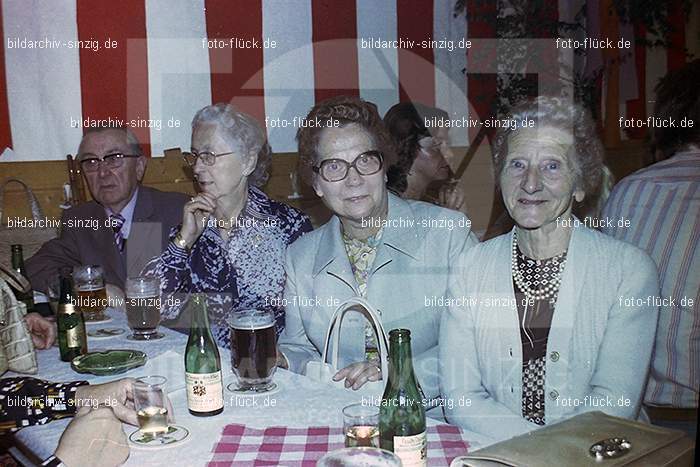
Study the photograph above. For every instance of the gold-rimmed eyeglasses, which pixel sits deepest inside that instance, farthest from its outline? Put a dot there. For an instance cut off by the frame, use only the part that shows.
(207, 157)
(335, 170)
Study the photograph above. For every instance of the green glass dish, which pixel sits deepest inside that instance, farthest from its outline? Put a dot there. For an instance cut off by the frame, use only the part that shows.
(108, 362)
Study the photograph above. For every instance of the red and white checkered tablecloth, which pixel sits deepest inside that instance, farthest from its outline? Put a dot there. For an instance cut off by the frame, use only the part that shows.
(243, 446)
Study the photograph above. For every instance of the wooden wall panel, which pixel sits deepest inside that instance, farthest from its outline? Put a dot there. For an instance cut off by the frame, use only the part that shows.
(170, 174)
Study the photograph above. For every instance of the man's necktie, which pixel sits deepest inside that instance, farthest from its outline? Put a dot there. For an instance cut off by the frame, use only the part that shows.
(117, 221)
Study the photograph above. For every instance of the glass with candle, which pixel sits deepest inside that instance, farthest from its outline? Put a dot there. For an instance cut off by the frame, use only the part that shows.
(361, 425)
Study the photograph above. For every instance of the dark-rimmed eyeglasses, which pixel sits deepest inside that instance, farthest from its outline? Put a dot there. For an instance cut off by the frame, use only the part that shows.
(335, 170)
(207, 157)
(92, 163)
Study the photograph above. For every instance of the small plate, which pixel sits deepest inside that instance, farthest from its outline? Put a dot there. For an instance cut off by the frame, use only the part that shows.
(108, 362)
(176, 435)
(104, 333)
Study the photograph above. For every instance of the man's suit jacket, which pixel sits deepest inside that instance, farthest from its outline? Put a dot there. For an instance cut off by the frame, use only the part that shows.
(86, 238)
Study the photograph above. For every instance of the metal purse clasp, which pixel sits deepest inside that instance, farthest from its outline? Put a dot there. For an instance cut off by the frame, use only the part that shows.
(610, 448)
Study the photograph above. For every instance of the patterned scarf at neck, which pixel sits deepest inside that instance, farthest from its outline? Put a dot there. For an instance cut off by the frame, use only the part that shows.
(361, 254)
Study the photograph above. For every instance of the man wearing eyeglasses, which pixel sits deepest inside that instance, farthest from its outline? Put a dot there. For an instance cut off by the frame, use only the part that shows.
(123, 227)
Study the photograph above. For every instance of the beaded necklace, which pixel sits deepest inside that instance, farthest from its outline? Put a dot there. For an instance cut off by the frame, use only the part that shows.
(550, 289)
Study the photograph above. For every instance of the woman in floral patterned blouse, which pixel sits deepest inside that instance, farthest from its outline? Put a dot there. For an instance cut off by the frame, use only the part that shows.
(232, 239)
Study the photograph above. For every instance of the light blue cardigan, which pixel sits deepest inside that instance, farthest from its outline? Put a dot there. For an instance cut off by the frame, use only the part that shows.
(598, 349)
(412, 264)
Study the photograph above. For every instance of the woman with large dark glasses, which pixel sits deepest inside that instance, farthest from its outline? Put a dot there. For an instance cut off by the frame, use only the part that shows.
(392, 252)
(232, 238)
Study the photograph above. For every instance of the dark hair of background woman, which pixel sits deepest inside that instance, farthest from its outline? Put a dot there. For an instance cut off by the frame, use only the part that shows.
(677, 98)
(406, 124)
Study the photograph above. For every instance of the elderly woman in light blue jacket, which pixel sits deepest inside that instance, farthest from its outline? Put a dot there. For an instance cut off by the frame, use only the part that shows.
(394, 253)
(558, 319)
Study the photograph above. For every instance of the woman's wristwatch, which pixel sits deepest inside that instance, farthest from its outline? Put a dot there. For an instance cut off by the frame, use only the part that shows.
(180, 242)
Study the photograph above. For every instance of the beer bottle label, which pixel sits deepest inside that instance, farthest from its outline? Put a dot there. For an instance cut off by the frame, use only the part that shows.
(205, 391)
(412, 450)
(74, 337)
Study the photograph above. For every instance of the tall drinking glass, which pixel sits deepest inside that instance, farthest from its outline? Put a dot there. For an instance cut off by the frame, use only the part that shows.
(150, 404)
(143, 307)
(361, 425)
(253, 350)
(92, 295)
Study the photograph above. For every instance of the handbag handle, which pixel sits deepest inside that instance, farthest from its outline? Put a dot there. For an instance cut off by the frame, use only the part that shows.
(37, 213)
(337, 318)
(16, 280)
(5, 290)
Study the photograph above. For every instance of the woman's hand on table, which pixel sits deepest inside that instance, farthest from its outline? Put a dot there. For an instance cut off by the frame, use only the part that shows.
(357, 374)
(117, 395)
(93, 437)
(42, 330)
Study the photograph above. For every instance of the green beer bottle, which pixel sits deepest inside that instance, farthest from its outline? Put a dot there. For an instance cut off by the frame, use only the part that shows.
(205, 390)
(18, 265)
(402, 413)
(72, 340)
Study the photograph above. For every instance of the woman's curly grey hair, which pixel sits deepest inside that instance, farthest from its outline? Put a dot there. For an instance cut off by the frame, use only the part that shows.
(241, 131)
(586, 152)
(338, 112)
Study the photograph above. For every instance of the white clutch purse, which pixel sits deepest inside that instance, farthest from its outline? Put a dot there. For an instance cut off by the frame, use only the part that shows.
(324, 370)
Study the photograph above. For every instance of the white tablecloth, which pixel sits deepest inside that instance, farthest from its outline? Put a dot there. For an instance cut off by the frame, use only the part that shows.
(300, 402)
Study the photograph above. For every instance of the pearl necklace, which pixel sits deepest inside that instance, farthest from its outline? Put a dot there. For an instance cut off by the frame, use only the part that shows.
(548, 292)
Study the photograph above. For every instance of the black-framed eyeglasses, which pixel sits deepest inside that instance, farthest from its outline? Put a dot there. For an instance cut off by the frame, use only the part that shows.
(335, 170)
(207, 157)
(92, 163)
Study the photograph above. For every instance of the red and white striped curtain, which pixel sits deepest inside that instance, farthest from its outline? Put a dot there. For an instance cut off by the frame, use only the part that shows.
(153, 63)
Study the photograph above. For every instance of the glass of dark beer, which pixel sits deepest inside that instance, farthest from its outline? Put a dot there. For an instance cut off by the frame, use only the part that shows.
(253, 350)
(92, 295)
(143, 307)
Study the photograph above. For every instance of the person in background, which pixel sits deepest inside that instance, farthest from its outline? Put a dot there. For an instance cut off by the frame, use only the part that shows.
(124, 226)
(546, 331)
(232, 238)
(658, 209)
(94, 437)
(422, 155)
(391, 251)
